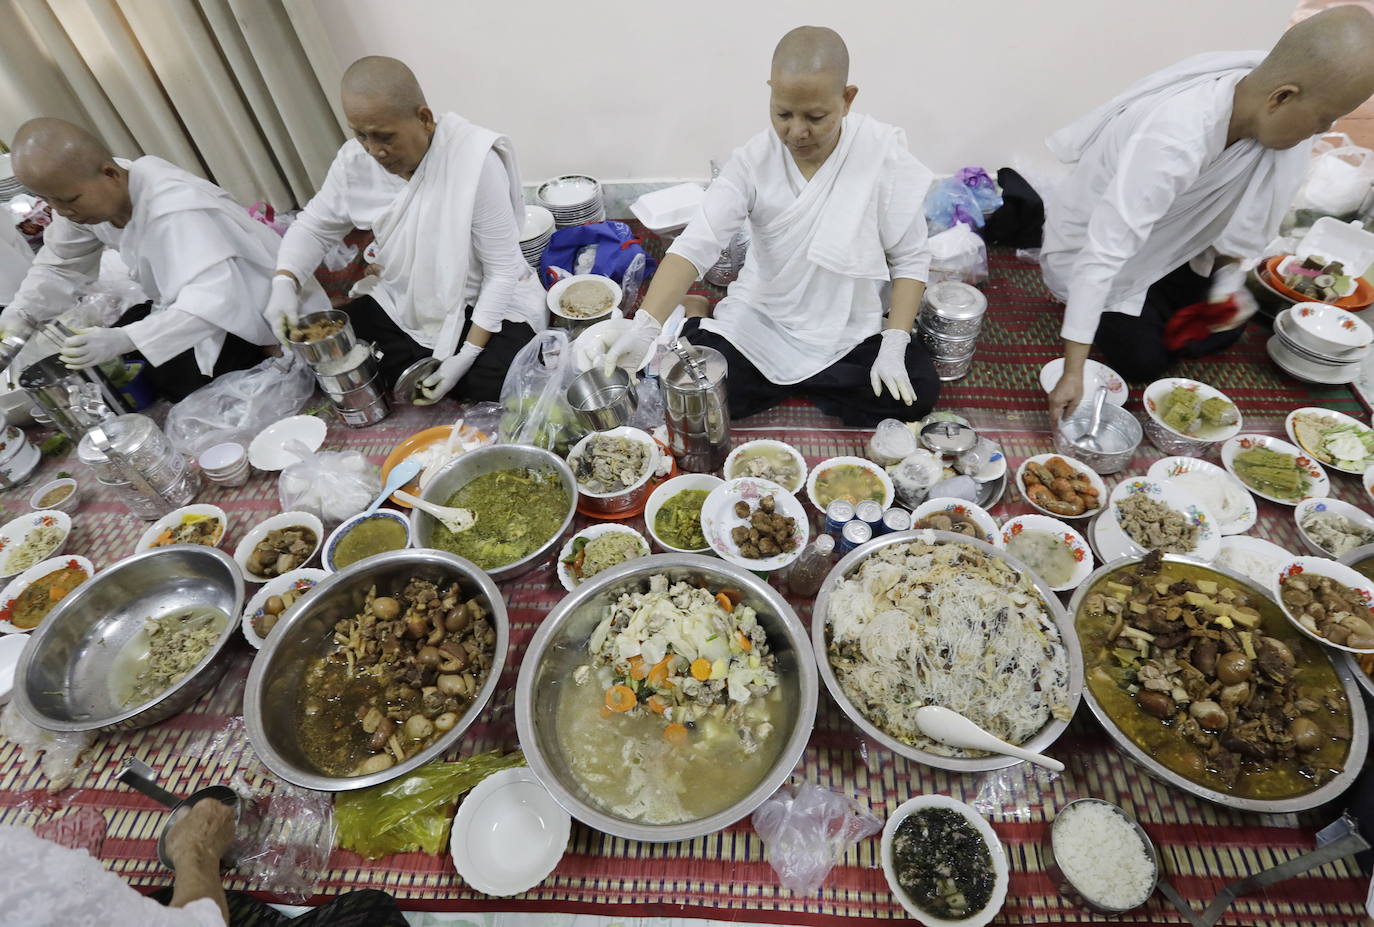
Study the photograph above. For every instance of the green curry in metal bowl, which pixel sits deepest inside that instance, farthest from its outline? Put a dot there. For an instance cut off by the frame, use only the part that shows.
(1206, 675)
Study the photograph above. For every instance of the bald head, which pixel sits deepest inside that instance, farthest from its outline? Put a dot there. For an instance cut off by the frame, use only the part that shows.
(384, 81)
(45, 148)
(387, 112)
(812, 51)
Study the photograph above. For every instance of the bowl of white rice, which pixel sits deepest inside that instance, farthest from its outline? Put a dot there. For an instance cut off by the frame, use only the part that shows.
(1100, 858)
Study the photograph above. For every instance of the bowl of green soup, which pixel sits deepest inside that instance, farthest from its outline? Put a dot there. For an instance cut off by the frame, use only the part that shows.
(366, 534)
(673, 513)
(523, 500)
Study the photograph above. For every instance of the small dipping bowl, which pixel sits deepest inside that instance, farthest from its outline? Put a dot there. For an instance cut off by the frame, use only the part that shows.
(1119, 436)
(67, 503)
(602, 402)
(1071, 891)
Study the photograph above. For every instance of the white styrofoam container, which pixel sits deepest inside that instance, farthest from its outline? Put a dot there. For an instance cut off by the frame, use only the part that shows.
(1335, 240)
(669, 209)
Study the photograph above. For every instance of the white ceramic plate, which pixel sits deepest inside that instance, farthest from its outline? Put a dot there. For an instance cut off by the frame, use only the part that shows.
(302, 579)
(13, 533)
(820, 469)
(1322, 566)
(1154, 399)
(1109, 541)
(565, 575)
(1337, 418)
(718, 518)
(1170, 469)
(1318, 487)
(1209, 537)
(259, 531)
(1255, 547)
(268, 450)
(668, 490)
(1079, 467)
(508, 834)
(995, 850)
(176, 518)
(1071, 539)
(24, 580)
(794, 486)
(554, 298)
(11, 649)
(1309, 371)
(1094, 375)
(1308, 507)
(985, 522)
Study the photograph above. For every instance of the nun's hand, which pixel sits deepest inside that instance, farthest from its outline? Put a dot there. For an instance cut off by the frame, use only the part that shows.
(451, 369)
(95, 346)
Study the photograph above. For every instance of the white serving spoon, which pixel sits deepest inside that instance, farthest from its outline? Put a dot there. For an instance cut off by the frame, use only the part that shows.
(453, 519)
(950, 727)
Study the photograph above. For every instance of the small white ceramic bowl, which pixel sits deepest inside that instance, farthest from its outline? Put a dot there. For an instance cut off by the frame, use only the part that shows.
(985, 522)
(731, 462)
(565, 575)
(67, 503)
(268, 450)
(223, 459)
(15, 588)
(1082, 554)
(304, 578)
(331, 545)
(1328, 329)
(13, 533)
(821, 468)
(1322, 566)
(980, 824)
(508, 834)
(175, 519)
(1308, 507)
(255, 535)
(1079, 467)
(668, 490)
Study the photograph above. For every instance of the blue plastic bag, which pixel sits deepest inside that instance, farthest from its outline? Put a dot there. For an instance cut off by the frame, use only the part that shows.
(948, 203)
(983, 188)
(616, 249)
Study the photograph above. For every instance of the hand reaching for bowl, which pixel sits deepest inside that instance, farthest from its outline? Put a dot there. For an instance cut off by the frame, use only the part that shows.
(1068, 392)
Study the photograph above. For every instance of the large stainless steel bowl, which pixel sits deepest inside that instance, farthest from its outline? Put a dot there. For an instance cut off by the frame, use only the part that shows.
(462, 470)
(71, 676)
(1345, 672)
(274, 682)
(851, 562)
(560, 645)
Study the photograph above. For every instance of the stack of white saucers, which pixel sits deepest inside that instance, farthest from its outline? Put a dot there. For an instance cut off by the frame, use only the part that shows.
(574, 199)
(10, 187)
(535, 233)
(1320, 343)
(225, 464)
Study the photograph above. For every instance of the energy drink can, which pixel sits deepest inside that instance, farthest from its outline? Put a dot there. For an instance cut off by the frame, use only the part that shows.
(854, 534)
(871, 514)
(895, 520)
(838, 514)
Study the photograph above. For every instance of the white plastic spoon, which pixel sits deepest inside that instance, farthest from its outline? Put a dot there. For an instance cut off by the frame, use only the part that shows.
(950, 727)
(404, 472)
(453, 519)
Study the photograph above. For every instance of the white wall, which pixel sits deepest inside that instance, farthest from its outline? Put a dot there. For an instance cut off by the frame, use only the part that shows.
(652, 89)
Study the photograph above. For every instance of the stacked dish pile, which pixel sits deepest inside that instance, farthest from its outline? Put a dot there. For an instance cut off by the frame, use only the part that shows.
(225, 464)
(1319, 343)
(950, 320)
(573, 199)
(535, 234)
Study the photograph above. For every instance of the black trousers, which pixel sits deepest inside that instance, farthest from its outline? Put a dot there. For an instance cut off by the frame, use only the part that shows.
(365, 908)
(1134, 346)
(843, 389)
(180, 377)
(399, 350)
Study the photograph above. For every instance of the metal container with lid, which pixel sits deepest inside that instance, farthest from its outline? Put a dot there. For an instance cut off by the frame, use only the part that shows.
(140, 462)
(330, 347)
(697, 411)
(952, 309)
(938, 345)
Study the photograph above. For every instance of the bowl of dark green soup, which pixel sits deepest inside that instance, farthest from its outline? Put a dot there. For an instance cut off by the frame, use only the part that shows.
(944, 863)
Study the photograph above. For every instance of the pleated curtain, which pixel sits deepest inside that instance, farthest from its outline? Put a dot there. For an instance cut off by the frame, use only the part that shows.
(242, 92)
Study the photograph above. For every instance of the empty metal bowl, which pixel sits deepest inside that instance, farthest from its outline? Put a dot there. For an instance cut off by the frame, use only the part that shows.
(460, 471)
(306, 633)
(1119, 437)
(603, 402)
(74, 673)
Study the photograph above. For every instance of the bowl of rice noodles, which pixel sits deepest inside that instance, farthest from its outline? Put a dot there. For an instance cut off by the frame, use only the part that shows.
(925, 617)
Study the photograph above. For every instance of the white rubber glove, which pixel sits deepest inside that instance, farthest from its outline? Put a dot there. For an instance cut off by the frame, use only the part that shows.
(283, 306)
(451, 369)
(95, 346)
(1228, 282)
(629, 349)
(889, 370)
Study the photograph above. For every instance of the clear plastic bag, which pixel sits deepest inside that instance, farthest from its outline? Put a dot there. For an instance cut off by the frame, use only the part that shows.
(807, 829)
(950, 202)
(958, 253)
(236, 406)
(892, 442)
(534, 395)
(63, 757)
(331, 485)
(982, 186)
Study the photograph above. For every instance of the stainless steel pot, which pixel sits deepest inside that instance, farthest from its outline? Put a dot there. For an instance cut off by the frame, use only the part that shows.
(333, 347)
(602, 402)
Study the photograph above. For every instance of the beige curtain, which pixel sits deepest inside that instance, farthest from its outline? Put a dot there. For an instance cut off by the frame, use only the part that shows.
(224, 88)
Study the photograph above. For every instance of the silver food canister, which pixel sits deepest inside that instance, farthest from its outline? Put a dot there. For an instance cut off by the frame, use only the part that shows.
(140, 463)
(951, 309)
(333, 347)
(696, 409)
(938, 345)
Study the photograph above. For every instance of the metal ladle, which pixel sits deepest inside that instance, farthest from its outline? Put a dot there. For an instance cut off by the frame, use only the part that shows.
(138, 776)
(1089, 440)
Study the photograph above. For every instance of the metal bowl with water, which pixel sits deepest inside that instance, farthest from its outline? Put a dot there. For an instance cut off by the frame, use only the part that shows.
(560, 645)
(274, 683)
(460, 471)
(1119, 436)
(75, 673)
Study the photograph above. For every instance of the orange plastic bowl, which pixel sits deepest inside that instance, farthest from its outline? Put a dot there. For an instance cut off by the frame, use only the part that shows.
(413, 445)
(1362, 298)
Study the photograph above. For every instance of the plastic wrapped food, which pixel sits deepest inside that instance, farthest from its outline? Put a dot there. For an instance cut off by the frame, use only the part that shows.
(808, 829)
(331, 485)
(891, 443)
(913, 477)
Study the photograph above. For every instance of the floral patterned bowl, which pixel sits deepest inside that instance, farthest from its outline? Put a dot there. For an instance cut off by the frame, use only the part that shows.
(1208, 543)
(1321, 566)
(1071, 539)
(718, 518)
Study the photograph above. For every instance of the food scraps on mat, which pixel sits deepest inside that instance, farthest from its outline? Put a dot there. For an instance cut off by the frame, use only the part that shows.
(1329, 609)
(585, 299)
(611, 463)
(42, 595)
(1343, 444)
(1059, 488)
(673, 717)
(1335, 534)
(678, 521)
(590, 556)
(1209, 678)
(850, 482)
(942, 863)
(1049, 555)
(282, 550)
(949, 624)
(956, 519)
(394, 678)
(766, 462)
(1187, 413)
(1155, 526)
(276, 605)
(38, 544)
(1317, 278)
(194, 529)
(1272, 473)
(176, 644)
(316, 330)
(765, 532)
(518, 511)
(1103, 856)
(367, 538)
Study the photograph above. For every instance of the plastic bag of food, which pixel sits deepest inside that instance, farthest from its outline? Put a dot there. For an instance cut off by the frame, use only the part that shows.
(982, 186)
(913, 477)
(807, 829)
(958, 254)
(892, 441)
(416, 812)
(950, 202)
(534, 395)
(332, 485)
(63, 757)
(236, 406)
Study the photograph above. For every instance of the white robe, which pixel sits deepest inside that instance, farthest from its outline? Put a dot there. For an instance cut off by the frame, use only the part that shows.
(821, 251)
(446, 239)
(204, 263)
(1154, 185)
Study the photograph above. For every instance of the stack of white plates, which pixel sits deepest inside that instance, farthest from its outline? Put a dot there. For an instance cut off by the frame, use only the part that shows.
(574, 199)
(535, 234)
(1320, 343)
(10, 187)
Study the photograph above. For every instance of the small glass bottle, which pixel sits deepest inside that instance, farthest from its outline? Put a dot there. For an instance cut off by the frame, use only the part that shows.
(810, 569)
